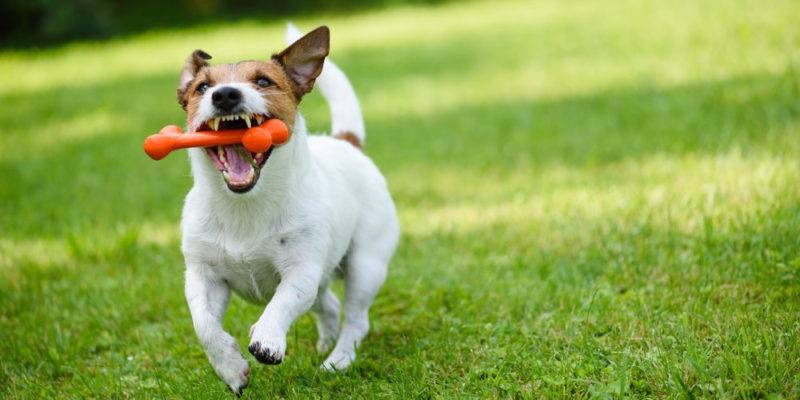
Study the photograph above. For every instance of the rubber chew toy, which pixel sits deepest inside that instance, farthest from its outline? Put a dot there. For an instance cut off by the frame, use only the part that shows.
(256, 139)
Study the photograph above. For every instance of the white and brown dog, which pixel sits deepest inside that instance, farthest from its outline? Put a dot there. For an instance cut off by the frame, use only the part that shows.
(277, 227)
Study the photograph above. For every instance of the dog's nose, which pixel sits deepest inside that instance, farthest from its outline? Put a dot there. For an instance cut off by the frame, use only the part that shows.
(226, 98)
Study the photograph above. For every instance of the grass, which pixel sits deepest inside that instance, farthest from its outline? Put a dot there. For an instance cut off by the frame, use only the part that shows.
(598, 200)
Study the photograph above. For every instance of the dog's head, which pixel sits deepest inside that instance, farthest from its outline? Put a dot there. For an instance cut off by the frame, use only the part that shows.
(239, 95)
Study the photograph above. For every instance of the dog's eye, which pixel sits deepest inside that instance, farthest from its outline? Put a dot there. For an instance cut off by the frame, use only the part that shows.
(201, 88)
(263, 82)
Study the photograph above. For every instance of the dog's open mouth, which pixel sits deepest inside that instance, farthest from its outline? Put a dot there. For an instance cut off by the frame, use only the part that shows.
(238, 166)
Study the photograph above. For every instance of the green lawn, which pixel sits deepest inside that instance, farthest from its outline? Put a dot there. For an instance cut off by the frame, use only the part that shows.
(598, 199)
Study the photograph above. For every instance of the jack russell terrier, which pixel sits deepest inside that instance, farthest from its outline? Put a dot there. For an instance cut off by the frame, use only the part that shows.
(277, 227)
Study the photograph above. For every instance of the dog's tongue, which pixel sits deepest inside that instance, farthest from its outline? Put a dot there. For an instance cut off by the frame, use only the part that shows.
(238, 167)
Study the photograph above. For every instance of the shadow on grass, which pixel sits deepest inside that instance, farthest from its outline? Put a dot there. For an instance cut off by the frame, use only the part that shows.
(101, 178)
(749, 112)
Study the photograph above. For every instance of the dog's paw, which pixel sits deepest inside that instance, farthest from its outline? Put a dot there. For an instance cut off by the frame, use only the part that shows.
(241, 383)
(338, 361)
(235, 371)
(268, 350)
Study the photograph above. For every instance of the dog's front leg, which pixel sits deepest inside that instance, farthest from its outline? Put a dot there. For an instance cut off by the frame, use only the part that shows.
(294, 295)
(208, 299)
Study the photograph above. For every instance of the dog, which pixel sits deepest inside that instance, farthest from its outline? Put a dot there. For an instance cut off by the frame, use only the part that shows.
(277, 227)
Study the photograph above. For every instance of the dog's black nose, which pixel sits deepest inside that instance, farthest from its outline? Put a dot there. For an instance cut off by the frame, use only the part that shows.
(226, 98)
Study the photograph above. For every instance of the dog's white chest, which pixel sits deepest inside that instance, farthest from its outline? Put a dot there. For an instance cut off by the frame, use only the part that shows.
(246, 262)
(249, 272)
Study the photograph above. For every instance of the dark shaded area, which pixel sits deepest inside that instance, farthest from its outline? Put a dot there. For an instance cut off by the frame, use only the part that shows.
(29, 23)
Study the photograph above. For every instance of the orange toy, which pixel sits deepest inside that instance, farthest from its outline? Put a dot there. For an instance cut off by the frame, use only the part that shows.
(256, 139)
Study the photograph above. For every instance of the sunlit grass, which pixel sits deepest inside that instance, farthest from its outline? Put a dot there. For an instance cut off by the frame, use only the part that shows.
(598, 199)
(721, 189)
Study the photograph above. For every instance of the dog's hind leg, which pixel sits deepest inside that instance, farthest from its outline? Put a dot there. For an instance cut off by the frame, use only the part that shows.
(364, 275)
(326, 311)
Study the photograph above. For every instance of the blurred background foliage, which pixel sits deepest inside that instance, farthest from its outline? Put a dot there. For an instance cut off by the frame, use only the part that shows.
(26, 23)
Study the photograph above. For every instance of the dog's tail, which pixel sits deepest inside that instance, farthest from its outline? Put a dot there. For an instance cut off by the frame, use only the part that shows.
(347, 122)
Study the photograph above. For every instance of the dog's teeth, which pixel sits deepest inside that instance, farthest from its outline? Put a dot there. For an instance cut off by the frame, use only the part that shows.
(221, 155)
(214, 123)
(259, 155)
(226, 176)
(259, 119)
(247, 121)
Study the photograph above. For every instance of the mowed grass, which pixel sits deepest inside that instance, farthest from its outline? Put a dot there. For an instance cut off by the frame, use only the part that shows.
(598, 200)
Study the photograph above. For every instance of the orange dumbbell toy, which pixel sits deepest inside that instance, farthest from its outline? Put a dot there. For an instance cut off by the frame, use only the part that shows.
(257, 139)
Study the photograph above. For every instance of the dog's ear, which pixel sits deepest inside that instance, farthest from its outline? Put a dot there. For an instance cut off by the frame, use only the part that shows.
(196, 61)
(303, 60)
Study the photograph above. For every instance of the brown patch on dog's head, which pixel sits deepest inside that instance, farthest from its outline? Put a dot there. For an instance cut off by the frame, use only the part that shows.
(239, 95)
(349, 137)
(290, 73)
(279, 92)
(196, 61)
